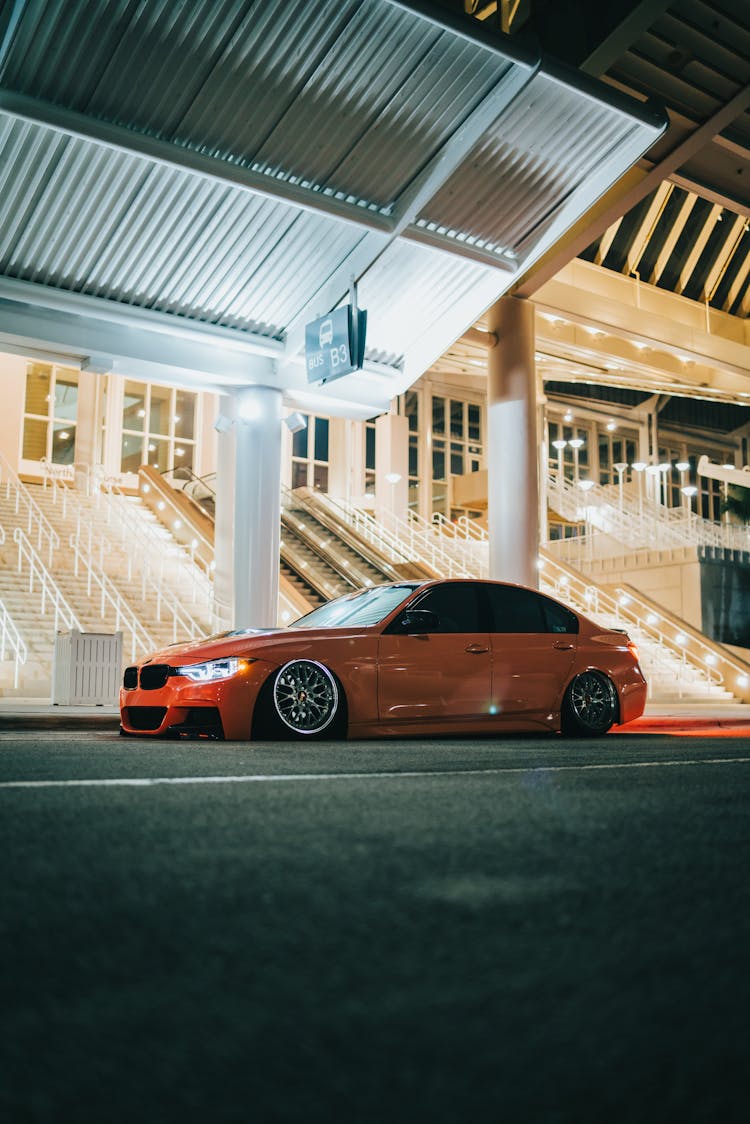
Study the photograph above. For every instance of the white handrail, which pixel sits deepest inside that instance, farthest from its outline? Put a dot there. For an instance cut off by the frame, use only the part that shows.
(125, 618)
(11, 638)
(403, 542)
(92, 539)
(50, 590)
(573, 587)
(639, 521)
(35, 517)
(150, 545)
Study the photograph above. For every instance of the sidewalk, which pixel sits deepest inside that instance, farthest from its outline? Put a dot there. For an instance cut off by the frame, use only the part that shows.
(660, 718)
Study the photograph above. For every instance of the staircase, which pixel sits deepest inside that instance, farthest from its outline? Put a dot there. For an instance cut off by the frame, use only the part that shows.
(74, 561)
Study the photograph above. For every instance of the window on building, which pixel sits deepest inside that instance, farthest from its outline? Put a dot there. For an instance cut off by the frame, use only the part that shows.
(310, 454)
(158, 427)
(50, 413)
(617, 447)
(370, 458)
(457, 446)
(411, 410)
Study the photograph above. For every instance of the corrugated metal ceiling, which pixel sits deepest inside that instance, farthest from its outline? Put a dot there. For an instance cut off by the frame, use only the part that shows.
(147, 149)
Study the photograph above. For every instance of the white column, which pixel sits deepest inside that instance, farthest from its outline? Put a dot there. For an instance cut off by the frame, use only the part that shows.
(112, 444)
(391, 466)
(339, 483)
(257, 485)
(87, 420)
(224, 513)
(512, 459)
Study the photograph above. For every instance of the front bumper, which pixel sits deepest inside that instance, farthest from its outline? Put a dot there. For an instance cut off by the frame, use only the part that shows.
(221, 709)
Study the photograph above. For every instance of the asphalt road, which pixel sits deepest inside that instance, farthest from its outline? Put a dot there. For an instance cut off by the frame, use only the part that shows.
(526, 931)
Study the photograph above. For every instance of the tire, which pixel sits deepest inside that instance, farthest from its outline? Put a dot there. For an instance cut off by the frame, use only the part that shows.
(303, 700)
(590, 705)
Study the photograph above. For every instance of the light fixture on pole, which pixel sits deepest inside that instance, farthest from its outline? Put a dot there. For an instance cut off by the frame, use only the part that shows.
(576, 443)
(639, 467)
(689, 491)
(620, 469)
(559, 444)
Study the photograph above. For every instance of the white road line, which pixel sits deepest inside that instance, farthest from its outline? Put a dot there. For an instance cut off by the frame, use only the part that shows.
(278, 778)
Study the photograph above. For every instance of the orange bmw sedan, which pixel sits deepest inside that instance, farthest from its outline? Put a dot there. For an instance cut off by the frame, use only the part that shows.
(427, 658)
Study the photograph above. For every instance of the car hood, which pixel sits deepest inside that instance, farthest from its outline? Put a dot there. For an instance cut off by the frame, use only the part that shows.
(253, 642)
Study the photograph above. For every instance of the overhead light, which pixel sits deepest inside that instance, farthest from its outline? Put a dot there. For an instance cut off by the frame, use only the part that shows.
(179, 452)
(161, 505)
(568, 417)
(585, 484)
(63, 435)
(393, 477)
(611, 425)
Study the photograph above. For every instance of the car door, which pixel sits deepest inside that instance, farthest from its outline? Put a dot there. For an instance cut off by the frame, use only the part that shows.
(439, 673)
(534, 641)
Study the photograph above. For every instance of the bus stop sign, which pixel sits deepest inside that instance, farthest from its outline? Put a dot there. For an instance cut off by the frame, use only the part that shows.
(335, 344)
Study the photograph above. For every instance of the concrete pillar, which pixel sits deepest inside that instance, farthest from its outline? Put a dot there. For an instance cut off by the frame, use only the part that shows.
(512, 458)
(223, 423)
(257, 484)
(112, 441)
(391, 467)
(339, 484)
(87, 422)
(346, 460)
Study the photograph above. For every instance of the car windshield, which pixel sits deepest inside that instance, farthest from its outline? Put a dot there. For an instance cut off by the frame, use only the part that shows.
(367, 607)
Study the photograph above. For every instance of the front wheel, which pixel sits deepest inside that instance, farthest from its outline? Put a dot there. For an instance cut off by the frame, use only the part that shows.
(306, 698)
(590, 705)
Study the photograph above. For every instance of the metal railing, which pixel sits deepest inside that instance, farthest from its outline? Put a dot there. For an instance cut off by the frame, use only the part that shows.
(401, 541)
(38, 526)
(51, 594)
(11, 641)
(96, 546)
(635, 520)
(152, 550)
(125, 620)
(10, 637)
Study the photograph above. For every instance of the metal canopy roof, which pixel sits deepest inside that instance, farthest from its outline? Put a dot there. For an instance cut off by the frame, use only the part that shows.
(184, 185)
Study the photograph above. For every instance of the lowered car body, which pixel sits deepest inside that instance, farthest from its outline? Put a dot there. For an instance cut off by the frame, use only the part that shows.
(422, 658)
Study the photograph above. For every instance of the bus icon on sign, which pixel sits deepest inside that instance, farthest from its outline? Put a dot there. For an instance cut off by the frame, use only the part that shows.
(326, 333)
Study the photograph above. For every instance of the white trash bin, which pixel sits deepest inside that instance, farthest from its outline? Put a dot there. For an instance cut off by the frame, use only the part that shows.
(86, 668)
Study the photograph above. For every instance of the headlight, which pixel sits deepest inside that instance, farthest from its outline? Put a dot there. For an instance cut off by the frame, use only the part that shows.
(213, 669)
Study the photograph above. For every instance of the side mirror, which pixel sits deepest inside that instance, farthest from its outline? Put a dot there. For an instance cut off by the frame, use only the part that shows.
(419, 620)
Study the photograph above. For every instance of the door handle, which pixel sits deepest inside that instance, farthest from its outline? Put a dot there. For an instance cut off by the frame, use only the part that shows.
(476, 649)
(560, 647)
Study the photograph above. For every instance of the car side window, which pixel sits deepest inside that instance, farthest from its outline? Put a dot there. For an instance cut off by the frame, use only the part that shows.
(558, 618)
(523, 610)
(455, 606)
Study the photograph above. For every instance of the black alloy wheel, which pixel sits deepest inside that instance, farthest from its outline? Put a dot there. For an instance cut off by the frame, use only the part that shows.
(306, 697)
(590, 705)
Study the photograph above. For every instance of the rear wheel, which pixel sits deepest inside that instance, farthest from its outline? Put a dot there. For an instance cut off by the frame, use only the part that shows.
(590, 705)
